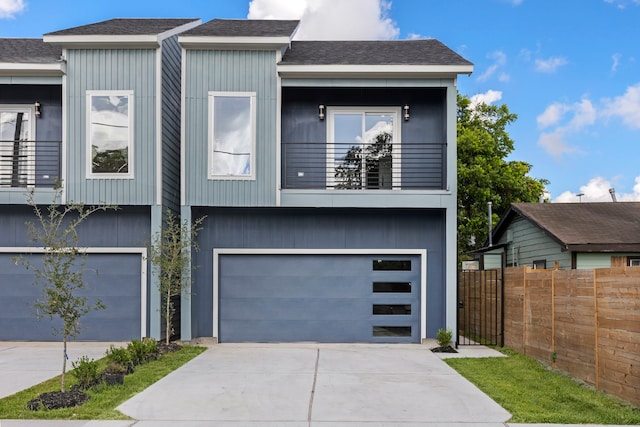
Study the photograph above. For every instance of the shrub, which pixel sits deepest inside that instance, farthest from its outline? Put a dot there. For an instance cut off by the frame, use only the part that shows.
(444, 337)
(150, 347)
(118, 355)
(115, 368)
(136, 351)
(85, 371)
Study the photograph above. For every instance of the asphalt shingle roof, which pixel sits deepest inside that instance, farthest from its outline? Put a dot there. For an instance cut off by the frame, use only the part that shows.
(372, 52)
(125, 27)
(583, 225)
(28, 51)
(245, 28)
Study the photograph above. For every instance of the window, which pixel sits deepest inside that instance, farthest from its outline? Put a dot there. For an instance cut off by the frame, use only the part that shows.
(539, 264)
(17, 145)
(363, 148)
(232, 135)
(633, 261)
(110, 134)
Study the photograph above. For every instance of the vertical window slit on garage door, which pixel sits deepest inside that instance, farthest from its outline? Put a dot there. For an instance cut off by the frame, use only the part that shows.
(392, 331)
(392, 287)
(391, 309)
(391, 265)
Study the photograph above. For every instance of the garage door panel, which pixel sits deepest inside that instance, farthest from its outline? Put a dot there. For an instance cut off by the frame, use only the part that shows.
(325, 298)
(117, 284)
(293, 309)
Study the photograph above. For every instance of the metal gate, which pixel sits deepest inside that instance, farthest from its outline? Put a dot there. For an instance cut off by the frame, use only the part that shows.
(480, 307)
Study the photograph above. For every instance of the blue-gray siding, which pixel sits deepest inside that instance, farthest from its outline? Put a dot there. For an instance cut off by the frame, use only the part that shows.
(319, 229)
(112, 69)
(323, 298)
(114, 279)
(230, 71)
(171, 69)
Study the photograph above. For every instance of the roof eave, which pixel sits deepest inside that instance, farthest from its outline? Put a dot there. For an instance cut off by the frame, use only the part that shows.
(235, 43)
(32, 69)
(373, 71)
(604, 247)
(104, 41)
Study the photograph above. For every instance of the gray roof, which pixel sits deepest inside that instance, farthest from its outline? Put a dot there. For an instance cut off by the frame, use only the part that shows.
(245, 28)
(583, 226)
(28, 51)
(125, 27)
(386, 52)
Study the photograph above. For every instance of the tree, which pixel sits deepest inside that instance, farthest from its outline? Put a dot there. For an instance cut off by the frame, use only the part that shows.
(169, 255)
(61, 273)
(377, 165)
(484, 174)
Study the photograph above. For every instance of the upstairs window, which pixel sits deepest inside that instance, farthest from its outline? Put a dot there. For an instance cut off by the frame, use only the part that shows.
(363, 148)
(17, 145)
(110, 134)
(232, 135)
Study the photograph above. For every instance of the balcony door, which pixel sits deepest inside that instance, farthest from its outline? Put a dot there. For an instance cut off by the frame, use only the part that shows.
(363, 149)
(17, 146)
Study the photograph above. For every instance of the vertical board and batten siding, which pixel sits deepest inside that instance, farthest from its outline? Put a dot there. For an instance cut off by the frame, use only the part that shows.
(171, 71)
(230, 71)
(112, 69)
(531, 244)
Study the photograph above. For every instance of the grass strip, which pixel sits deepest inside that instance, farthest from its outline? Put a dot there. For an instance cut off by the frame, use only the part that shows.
(533, 393)
(103, 399)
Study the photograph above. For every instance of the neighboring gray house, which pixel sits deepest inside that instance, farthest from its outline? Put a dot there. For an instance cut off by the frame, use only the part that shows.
(97, 106)
(327, 174)
(573, 235)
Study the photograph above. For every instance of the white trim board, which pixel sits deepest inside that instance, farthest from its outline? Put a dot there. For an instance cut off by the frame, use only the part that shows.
(105, 250)
(254, 251)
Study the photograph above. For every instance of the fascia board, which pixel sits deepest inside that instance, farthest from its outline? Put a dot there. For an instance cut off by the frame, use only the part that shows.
(373, 70)
(228, 43)
(32, 69)
(104, 41)
(180, 29)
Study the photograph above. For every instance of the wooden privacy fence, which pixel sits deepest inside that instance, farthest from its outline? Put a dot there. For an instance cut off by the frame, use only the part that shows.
(584, 322)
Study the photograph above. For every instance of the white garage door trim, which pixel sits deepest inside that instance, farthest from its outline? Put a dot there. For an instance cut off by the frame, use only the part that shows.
(105, 250)
(253, 251)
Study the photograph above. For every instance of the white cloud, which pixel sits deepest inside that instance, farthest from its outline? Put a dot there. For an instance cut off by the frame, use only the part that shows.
(582, 115)
(9, 8)
(621, 4)
(331, 20)
(500, 60)
(616, 57)
(597, 190)
(626, 106)
(550, 65)
(489, 97)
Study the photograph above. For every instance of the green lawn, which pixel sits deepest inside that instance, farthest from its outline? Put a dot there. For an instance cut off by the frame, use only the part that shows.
(103, 399)
(535, 394)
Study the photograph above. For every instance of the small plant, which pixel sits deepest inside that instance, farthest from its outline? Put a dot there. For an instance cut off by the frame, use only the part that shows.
(444, 337)
(135, 348)
(85, 371)
(115, 368)
(150, 347)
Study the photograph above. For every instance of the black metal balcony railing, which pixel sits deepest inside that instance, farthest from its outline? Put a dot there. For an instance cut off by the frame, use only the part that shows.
(29, 163)
(360, 167)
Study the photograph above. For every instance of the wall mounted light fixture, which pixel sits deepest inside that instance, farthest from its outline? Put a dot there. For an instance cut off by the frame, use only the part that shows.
(38, 109)
(406, 112)
(321, 112)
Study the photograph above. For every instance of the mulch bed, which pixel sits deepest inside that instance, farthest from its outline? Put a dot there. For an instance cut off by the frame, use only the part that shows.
(57, 400)
(446, 349)
(163, 347)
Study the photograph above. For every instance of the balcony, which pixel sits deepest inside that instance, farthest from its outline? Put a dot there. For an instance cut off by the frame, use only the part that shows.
(29, 163)
(349, 166)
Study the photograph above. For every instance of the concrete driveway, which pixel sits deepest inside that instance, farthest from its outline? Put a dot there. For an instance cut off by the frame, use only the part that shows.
(314, 384)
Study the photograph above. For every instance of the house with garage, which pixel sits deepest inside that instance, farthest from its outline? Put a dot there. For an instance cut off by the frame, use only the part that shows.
(98, 108)
(326, 173)
(566, 236)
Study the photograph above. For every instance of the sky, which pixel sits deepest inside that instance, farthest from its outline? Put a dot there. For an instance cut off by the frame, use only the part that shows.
(569, 69)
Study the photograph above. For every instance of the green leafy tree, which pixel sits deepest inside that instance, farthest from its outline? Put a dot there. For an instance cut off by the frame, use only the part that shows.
(61, 272)
(170, 256)
(484, 174)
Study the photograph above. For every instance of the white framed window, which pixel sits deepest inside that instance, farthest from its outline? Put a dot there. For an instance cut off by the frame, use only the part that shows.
(232, 135)
(633, 261)
(363, 148)
(110, 134)
(17, 145)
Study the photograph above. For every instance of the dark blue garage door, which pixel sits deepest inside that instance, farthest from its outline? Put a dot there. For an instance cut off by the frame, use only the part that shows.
(117, 284)
(321, 298)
